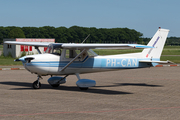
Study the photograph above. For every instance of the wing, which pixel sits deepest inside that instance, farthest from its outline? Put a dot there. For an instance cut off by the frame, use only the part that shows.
(104, 46)
(81, 46)
(38, 44)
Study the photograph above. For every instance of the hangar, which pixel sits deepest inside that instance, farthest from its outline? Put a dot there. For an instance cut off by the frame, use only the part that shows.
(17, 50)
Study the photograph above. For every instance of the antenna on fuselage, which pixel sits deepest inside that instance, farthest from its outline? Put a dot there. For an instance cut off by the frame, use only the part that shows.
(85, 39)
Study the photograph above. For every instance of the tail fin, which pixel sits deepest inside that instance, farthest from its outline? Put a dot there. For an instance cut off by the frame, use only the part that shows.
(158, 42)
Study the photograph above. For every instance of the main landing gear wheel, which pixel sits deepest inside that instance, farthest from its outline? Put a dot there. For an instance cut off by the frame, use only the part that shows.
(36, 84)
(83, 88)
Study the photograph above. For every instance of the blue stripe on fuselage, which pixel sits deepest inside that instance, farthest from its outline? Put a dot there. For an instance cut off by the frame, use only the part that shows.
(104, 63)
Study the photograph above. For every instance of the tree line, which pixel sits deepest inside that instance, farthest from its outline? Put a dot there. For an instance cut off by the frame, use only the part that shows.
(76, 34)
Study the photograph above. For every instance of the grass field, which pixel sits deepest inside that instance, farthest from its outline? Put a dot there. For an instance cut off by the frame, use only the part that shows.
(175, 59)
(168, 50)
(4, 61)
(171, 50)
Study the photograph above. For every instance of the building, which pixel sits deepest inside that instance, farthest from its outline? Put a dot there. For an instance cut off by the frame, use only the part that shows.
(17, 50)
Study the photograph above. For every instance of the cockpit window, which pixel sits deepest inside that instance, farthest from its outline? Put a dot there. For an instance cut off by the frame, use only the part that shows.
(70, 53)
(54, 49)
(91, 53)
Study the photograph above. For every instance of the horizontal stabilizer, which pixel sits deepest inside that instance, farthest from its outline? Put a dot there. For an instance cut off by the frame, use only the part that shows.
(161, 62)
(139, 46)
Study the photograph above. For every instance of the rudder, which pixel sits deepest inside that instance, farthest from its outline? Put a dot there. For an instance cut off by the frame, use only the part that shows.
(157, 42)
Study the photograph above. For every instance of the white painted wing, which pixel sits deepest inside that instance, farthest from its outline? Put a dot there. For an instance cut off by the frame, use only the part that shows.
(38, 44)
(80, 46)
(104, 46)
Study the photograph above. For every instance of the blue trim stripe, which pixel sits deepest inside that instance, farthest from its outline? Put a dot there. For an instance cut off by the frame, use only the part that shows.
(103, 63)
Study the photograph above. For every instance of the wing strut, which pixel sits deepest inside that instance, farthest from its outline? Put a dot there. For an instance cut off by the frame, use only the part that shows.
(37, 48)
(72, 60)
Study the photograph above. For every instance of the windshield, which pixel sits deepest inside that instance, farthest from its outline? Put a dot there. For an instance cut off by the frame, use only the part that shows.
(91, 53)
(54, 49)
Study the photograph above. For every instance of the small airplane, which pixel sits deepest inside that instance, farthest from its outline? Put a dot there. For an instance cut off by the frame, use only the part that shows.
(64, 59)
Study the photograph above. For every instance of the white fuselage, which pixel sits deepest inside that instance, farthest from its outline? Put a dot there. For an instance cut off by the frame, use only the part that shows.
(50, 64)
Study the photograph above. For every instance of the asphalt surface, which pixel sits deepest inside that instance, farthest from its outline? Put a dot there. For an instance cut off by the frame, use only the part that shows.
(138, 94)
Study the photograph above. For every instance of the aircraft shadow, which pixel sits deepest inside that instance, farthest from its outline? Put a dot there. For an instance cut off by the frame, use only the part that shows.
(66, 88)
(75, 88)
(131, 84)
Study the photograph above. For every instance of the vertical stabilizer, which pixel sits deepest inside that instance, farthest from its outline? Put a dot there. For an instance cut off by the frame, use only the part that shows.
(157, 42)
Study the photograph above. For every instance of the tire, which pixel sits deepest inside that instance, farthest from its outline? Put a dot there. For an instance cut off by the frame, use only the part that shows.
(35, 86)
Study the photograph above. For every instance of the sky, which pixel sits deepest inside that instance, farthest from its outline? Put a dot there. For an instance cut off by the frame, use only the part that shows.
(145, 16)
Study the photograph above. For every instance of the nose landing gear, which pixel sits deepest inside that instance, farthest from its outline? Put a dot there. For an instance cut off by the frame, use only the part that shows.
(36, 84)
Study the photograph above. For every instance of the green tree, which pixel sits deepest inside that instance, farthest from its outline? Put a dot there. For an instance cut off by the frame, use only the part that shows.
(77, 34)
(16, 33)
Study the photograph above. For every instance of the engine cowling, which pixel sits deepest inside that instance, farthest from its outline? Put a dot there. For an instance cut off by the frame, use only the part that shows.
(85, 83)
(56, 80)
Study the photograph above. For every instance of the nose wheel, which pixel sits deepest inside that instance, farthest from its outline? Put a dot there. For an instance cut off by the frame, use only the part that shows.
(36, 84)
